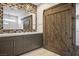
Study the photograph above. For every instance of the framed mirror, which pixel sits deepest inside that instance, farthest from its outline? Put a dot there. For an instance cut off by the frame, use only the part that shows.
(19, 17)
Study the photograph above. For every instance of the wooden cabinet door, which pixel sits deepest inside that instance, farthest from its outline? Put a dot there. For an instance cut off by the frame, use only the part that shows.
(18, 45)
(59, 29)
(32, 42)
(6, 46)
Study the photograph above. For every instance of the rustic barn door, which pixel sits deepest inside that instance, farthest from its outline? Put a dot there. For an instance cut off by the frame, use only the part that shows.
(59, 29)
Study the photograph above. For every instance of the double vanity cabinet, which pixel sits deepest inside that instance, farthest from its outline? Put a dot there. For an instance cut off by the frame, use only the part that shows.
(19, 44)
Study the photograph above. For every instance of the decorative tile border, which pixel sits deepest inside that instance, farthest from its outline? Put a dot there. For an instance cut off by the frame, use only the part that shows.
(32, 8)
(27, 6)
(1, 18)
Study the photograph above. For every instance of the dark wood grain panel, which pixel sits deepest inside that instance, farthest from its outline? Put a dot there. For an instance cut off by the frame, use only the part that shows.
(58, 25)
(6, 46)
(17, 45)
(32, 42)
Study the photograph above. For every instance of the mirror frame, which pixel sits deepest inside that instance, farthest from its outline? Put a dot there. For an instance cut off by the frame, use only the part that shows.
(32, 8)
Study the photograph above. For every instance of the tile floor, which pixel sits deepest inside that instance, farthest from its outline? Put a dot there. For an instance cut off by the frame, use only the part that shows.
(40, 52)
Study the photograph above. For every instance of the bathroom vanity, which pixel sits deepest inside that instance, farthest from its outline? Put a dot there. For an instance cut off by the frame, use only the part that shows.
(18, 29)
(18, 43)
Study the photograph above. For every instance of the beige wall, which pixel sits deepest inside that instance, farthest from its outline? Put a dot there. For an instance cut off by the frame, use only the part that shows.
(77, 26)
(40, 10)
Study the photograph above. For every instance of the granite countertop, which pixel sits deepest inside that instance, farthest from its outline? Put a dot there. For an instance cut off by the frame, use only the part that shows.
(16, 34)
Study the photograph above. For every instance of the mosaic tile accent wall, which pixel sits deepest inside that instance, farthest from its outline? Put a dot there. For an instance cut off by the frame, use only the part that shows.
(27, 6)
(1, 18)
(32, 8)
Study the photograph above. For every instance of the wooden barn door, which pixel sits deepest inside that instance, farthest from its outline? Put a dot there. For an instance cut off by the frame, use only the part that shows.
(59, 29)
